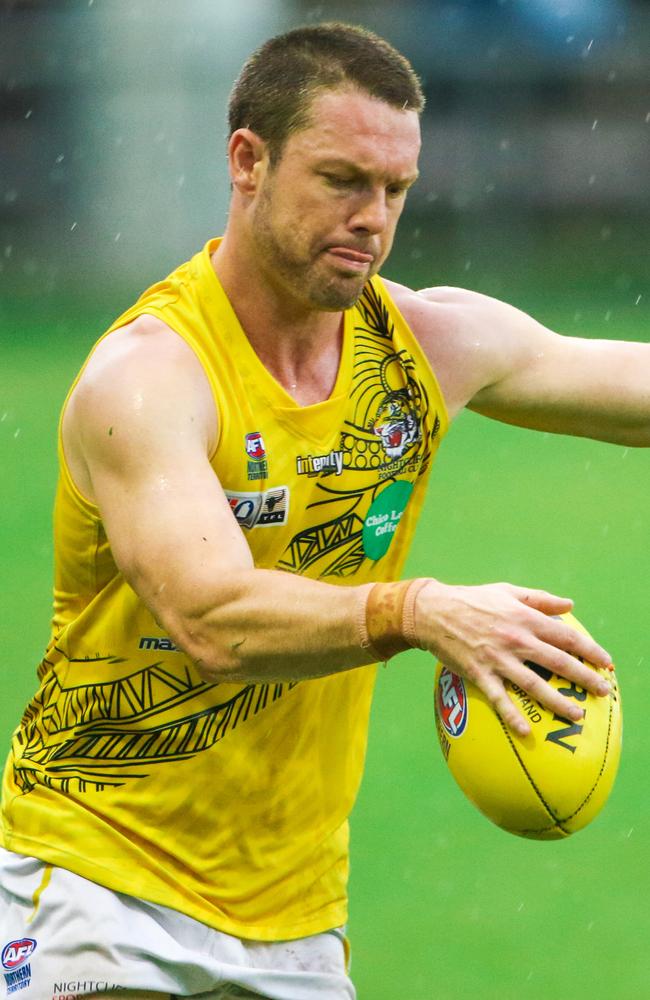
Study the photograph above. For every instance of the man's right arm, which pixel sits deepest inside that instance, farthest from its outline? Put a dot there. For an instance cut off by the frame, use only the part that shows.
(138, 433)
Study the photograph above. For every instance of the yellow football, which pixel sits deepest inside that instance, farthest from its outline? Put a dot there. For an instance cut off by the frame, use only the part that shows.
(544, 786)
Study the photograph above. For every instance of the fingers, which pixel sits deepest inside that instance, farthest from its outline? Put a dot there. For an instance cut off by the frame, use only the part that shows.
(565, 701)
(578, 646)
(542, 601)
(494, 690)
(567, 705)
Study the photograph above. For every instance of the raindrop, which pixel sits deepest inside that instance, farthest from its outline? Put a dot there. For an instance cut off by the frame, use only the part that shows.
(608, 315)
(181, 181)
(73, 226)
(29, 113)
(647, 118)
(593, 127)
(117, 236)
(17, 432)
(592, 179)
(638, 299)
(60, 158)
(8, 250)
(10, 196)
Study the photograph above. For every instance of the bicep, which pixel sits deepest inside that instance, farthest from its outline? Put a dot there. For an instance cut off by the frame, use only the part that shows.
(502, 363)
(572, 385)
(143, 425)
(168, 522)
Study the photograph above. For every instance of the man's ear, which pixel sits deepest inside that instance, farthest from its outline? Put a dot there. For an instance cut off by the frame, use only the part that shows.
(247, 152)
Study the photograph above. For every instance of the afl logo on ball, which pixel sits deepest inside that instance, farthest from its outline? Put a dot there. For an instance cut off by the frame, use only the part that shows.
(17, 952)
(451, 699)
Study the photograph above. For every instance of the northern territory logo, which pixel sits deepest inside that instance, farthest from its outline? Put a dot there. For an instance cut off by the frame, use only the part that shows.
(452, 706)
(258, 466)
(260, 510)
(18, 971)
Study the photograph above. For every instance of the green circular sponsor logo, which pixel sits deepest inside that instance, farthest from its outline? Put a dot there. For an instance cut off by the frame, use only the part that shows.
(384, 517)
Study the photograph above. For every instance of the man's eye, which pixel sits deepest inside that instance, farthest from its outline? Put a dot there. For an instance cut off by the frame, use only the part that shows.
(337, 181)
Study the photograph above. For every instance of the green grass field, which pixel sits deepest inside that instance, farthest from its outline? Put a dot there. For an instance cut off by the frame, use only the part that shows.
(444, 905)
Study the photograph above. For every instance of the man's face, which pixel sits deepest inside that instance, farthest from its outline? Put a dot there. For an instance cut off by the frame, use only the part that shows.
(326, 212)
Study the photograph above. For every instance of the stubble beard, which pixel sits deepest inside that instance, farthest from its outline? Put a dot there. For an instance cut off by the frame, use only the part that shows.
(306, 277)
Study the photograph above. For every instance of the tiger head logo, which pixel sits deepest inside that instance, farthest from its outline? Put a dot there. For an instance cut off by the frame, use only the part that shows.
(397, 423)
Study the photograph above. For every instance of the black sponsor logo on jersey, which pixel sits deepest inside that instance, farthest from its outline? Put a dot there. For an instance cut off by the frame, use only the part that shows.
(260, 510)
(314, 465)
(151, 642)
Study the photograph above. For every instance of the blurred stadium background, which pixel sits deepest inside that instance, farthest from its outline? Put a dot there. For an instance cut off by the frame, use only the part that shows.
(536, 188)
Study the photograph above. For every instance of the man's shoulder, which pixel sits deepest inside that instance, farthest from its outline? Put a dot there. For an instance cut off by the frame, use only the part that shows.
(425, 300)
(461, 332)
(144, 359)
(145, 340)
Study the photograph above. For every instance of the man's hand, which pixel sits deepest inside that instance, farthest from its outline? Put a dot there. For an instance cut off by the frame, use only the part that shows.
(488, 633)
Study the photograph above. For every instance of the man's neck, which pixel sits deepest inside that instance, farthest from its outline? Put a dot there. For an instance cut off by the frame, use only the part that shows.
(299, 346)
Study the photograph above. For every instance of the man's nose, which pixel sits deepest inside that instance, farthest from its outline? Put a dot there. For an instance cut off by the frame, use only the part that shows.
(371, 214)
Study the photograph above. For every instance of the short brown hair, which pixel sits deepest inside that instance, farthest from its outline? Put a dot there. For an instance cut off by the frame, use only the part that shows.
(274, 91)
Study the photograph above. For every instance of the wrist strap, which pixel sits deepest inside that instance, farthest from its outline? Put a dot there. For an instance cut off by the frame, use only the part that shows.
(386, 621)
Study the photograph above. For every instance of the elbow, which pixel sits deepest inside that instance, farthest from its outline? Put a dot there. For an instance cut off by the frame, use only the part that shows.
(218, 656)
(207, 624)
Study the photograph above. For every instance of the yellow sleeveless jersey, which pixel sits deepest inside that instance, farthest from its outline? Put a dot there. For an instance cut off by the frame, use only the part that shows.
(228, 802)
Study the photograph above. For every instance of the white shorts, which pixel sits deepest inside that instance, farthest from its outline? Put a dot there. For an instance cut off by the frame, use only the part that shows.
(63, 937)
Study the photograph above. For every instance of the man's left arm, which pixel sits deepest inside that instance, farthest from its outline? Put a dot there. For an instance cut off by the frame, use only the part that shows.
(570, 385)
(498, 361)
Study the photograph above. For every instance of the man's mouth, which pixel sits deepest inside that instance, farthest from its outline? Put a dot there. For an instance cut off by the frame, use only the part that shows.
(356, 260)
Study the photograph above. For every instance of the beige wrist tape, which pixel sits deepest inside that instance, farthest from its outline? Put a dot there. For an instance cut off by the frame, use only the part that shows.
(387, 617)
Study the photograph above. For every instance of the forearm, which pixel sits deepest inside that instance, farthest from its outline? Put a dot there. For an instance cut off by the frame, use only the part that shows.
(268, 625)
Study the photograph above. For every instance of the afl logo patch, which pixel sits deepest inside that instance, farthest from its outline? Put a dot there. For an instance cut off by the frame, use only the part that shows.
(451, 702)
(255, 446)
(17, 952)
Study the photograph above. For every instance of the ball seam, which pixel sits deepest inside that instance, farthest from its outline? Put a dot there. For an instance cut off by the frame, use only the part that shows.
(600, 773)
(557, 821)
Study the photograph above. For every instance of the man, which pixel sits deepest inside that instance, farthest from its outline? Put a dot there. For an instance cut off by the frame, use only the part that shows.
(243, 459)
